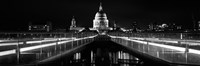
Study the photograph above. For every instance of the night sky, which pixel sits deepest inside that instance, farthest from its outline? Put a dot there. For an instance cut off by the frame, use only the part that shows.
(16, 14)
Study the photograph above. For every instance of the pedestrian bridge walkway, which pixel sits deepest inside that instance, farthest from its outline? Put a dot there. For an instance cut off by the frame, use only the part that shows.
(39, 51)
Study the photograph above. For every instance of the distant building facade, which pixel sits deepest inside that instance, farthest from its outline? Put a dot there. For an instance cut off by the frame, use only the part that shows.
(164, 27)
(47, 27)
(73, 26)
(134, 26)
(198, 25)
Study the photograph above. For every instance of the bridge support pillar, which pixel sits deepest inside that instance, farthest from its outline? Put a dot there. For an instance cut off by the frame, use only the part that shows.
(18, 53)
(186, 48)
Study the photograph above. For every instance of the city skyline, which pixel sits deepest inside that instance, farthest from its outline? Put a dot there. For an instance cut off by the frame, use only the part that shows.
(17, 14)
(99, 33)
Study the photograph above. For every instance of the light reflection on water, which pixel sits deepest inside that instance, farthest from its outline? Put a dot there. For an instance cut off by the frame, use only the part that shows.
(97, 58)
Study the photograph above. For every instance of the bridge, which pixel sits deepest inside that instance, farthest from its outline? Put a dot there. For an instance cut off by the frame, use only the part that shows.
(92, 49)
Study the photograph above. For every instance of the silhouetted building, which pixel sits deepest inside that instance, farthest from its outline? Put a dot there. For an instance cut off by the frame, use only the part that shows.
(134, 26)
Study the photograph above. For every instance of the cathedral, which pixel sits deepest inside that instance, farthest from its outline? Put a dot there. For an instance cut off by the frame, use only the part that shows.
(100, 21)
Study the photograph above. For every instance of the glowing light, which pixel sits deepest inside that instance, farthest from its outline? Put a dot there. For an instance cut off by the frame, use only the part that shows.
(194, 51)
(155, 39)
(77, 56)
(190, 42)
(8, 52)
(36, 47)
(5, 40)
(159, 45)
(32, 42)
(164, 46)
(168, 46)
(91, 56)
(46, 45)
(8, 44)
(142, 42)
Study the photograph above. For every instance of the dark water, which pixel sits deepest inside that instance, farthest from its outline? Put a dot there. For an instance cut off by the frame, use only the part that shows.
(98, 53)
(103, 54)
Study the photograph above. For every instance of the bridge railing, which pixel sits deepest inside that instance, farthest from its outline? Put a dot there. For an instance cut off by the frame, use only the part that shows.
(10, 35)
(176, 48)
(185, 36)
(25, 48)
(187, 40)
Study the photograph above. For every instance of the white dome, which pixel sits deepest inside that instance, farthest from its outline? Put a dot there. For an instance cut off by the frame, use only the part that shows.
(99, 14)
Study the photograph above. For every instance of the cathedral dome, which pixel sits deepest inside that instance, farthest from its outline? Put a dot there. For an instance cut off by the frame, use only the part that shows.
(100, 14)
(100, 21)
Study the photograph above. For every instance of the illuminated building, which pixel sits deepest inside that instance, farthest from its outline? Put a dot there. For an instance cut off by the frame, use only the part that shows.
(100, 21)
(47, 27)
(152, 27)
(198, 25)
(74, 27)
(164, 27)
(73, 23)
(114, 26)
